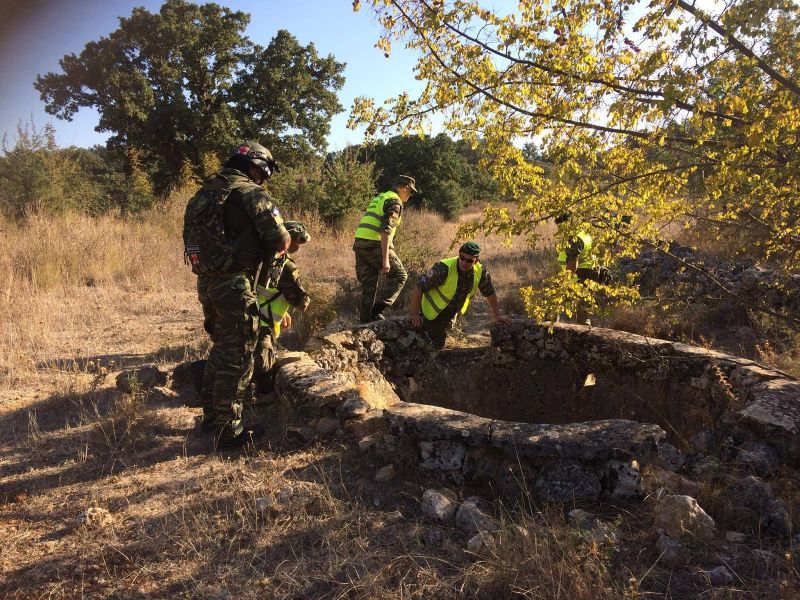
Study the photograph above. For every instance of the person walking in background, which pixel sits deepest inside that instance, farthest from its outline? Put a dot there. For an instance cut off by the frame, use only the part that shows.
(378, 268)
(232, 231)
(578, 257)
(285, 291)
(446, 290)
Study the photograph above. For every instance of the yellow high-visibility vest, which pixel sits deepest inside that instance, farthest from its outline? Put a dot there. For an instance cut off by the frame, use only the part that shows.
(436, 299)
(585, 259)
(273, 306)
(369, 228)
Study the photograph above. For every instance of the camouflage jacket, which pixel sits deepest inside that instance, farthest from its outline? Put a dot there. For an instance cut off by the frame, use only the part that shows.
(252, 219)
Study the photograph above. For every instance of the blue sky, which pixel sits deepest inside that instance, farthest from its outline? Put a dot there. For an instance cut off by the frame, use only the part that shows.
(35, 34)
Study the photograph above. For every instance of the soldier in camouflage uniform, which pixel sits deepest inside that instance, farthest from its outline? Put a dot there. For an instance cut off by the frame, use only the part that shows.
(374, 249)
(254, 230)
(274, 303)
(446, 290)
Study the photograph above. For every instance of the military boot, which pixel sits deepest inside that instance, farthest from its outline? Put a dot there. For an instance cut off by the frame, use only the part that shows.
(377, 311)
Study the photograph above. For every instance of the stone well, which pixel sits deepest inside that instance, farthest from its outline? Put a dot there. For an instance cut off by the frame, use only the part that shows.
(566, 411)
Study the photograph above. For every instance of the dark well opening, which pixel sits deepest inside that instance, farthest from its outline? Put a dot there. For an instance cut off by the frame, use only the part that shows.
(552, 391)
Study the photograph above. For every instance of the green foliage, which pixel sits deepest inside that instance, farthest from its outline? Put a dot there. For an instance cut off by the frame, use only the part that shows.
(139, 193)
(674, 114)
(298, 187)
(35, 176)
(332, 188)
(446, 171)
(348, 186)
(564, 294)
(185, 82)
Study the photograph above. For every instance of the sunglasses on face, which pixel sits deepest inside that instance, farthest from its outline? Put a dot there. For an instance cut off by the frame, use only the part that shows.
(469, 260)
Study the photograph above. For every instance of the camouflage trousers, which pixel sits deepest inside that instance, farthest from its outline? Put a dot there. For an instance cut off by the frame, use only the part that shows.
(368, 271)
(231, 318)
(438, 328)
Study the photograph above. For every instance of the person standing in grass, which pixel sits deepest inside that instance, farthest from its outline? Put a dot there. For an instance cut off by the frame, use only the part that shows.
(446, 290)
(274, 303)
(376, 259)
(232, 231)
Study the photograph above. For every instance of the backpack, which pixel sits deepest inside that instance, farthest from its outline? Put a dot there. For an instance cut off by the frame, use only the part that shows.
(206, 248)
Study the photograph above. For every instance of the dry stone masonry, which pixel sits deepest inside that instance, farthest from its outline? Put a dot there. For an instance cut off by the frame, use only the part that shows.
(566, 411)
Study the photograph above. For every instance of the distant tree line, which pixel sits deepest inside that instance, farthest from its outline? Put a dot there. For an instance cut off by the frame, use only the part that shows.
(178, 89)
(37, 176)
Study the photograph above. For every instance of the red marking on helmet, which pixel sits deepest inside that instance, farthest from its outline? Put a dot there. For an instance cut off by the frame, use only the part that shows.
(244, 149)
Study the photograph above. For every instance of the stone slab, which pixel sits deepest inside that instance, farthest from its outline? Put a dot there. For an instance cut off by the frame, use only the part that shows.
(774, 413)
(435, 423)
(307, 384)
(585, 441)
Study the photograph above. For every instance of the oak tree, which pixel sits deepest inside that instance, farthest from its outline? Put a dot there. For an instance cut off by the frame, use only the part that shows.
(186, 82)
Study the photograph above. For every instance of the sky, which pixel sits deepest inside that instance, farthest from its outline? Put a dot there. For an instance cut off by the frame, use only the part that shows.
(35, 34)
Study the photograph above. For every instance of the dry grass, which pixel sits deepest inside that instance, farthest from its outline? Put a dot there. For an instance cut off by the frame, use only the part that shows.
(86, 297)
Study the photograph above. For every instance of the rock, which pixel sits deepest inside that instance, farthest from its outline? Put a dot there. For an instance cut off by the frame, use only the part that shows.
(438, 506)
(707, 467)
(752, 500)
(760, 459)
(583, 441)
(765, 563)
(704, 441)
(442, 455)
(386, 473)
(301, 434)
(372, 422)
(654, 478)
(623, 480)
(775, 412)
(368, 442)
(143, 378)
(672, 459)
(95, 517)
(719, 576)
(352, 408)
(427, 422)
(595, 530)
(326, 426)
(735, 537)
(470, 517)
(580, 518)
(393, 516)
(277, 502)
(565, 481)
(480, 541)
(433, 537)
(266, 504)
(284, 495)
(673, 554)
(679, 516)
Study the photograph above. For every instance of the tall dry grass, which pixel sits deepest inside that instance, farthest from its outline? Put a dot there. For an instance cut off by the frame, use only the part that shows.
(64, 275)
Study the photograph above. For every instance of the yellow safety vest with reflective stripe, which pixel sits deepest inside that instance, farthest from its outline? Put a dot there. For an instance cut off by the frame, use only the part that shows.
(273, 306)
(585, 259)
(370, 226)
(436, 299)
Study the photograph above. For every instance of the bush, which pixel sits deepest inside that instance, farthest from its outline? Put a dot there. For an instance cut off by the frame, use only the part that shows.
(348, 186)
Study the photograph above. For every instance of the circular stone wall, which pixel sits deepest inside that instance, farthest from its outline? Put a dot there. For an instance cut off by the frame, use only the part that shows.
(574, 410)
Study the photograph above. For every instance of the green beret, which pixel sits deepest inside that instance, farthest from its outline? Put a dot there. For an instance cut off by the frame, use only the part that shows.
(471, 248)
(297, 230)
